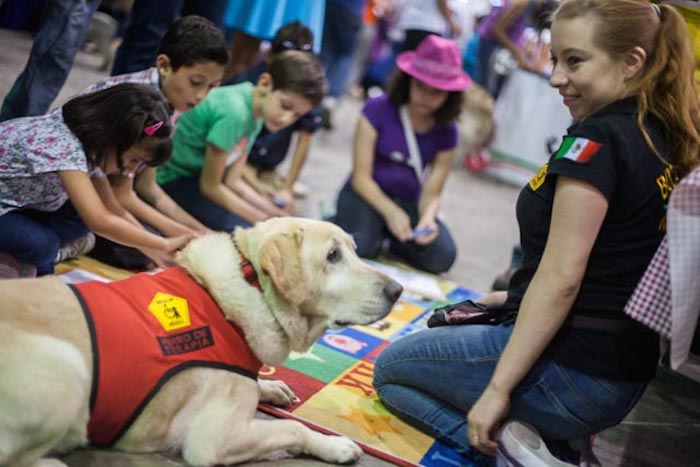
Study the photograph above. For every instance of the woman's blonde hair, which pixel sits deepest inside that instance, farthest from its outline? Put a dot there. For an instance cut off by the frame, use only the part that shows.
(666, 84)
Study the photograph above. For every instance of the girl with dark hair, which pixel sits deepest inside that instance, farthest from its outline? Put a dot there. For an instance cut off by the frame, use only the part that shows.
(46, 161)
(212, 141)
(404, 147)
(189, 63)
(567, 361)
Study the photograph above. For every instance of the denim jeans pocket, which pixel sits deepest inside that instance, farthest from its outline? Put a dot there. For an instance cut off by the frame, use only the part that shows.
(598, 402)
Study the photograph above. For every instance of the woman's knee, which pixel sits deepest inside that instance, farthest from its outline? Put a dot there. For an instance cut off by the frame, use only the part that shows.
(438, 260)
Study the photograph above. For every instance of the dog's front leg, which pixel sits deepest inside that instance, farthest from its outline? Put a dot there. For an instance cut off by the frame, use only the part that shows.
(221, 434)
(276, 392)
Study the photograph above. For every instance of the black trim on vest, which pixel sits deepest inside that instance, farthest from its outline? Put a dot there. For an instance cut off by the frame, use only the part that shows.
(93, 345)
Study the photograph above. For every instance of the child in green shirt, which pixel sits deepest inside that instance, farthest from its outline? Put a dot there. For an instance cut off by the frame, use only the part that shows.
(211, 143)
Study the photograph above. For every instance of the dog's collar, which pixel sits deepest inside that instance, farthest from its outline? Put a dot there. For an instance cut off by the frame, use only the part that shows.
(248, 270)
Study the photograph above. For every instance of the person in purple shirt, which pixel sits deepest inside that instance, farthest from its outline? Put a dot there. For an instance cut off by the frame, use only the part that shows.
(388, 196)
(504, 27)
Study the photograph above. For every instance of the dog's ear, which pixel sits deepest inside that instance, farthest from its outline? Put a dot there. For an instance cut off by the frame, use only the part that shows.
(281, 259)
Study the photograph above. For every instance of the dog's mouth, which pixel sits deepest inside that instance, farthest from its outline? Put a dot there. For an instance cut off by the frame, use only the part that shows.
(341, 323)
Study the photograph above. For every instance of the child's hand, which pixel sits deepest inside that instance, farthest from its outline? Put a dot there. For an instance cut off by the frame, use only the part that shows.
(166, 258)
(399, 224)
(159, 258)
(175, 243)
(284, 200)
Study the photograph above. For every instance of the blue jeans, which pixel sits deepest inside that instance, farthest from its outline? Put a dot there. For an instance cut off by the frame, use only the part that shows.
(431, 379)
(64, 24)
(341, 33)
(369, 230)
(148, 23)
(486, 75)
(34, 237)
(186, 193)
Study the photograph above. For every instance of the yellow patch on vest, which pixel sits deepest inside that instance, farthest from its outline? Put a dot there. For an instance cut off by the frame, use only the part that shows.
(171, 312)
(539, 177)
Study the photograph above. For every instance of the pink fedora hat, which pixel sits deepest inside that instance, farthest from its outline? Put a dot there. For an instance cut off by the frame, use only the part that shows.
(437, 62)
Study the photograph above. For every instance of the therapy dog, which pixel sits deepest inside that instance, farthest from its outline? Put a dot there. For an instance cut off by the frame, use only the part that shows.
(73, 359)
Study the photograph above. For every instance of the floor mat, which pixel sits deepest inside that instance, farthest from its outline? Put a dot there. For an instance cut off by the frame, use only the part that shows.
(333, 380)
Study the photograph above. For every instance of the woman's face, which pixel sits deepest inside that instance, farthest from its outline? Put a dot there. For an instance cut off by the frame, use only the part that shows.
(189, 85)
(425, 99)
(587, 77)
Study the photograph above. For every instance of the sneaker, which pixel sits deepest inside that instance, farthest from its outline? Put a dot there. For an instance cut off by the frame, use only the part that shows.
(519, 445)
(77, 247)
(10, 268)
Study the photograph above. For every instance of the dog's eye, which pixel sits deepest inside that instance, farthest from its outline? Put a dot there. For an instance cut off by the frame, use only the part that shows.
(334, 255)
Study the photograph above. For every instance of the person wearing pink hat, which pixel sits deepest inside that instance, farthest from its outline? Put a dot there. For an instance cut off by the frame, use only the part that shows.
(404, 146)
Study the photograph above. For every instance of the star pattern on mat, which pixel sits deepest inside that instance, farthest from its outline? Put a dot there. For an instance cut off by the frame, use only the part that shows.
(374, 424)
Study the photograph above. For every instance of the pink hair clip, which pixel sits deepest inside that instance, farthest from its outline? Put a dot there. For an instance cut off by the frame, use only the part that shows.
(151, 129)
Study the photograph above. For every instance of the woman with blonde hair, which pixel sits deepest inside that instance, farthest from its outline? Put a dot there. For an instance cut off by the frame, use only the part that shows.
(570, 363)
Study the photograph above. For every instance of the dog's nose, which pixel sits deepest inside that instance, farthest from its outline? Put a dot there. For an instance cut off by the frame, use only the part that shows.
(392, 290)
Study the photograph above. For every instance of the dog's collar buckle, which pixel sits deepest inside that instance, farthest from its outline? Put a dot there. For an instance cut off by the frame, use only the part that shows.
(249, 273)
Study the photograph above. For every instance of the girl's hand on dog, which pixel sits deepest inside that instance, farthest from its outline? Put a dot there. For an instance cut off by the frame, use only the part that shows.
(166, 258)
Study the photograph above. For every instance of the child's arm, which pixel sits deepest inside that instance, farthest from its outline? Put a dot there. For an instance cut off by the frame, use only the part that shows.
(124, 192)
(301, 153)
(253, 197)
(147, 188)
(429, 203)
(102, 221)
(211, 184)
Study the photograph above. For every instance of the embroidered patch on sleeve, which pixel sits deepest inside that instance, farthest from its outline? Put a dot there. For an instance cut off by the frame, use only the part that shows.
(577, 149)
(539, 178)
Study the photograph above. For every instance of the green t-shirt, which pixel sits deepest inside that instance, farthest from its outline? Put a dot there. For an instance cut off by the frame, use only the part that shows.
(224, 119)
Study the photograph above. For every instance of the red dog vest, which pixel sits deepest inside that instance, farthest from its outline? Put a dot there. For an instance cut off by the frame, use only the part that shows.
(144, 330)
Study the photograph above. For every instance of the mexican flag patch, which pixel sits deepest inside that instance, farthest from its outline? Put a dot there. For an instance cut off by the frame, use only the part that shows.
(577, 149)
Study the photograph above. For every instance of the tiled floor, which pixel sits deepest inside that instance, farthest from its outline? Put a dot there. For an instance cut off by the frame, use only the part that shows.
(663, 430)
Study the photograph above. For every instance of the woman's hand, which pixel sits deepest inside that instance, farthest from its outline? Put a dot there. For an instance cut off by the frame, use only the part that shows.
(484, 419)
(427, 230)
(399, 224)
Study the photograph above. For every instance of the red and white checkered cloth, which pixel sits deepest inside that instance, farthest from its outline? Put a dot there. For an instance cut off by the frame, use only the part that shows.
(667, 298)
(650, 304)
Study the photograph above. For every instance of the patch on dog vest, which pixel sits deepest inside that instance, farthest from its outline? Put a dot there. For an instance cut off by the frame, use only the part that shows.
(171, 312)
(188, 341)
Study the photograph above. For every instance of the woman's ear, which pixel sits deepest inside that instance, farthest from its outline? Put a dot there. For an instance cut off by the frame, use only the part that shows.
(634, 61)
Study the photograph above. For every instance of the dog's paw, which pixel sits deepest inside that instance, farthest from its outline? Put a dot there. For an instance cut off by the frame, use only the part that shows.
(49, 462)
(276, 392)
(335, 449)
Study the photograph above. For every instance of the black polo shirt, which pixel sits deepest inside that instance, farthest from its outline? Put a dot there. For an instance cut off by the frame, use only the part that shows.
(608, 151)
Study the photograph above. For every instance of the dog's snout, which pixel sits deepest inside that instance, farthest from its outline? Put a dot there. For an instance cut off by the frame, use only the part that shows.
(392, 290)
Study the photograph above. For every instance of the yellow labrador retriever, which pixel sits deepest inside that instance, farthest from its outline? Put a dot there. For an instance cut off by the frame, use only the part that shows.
(71, 374)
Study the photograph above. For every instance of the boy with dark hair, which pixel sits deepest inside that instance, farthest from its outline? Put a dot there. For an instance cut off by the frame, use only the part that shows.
(212, 142)
(270, 149)
(190, 62)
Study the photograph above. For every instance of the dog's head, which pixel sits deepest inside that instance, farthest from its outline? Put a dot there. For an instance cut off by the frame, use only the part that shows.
(312, 266)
